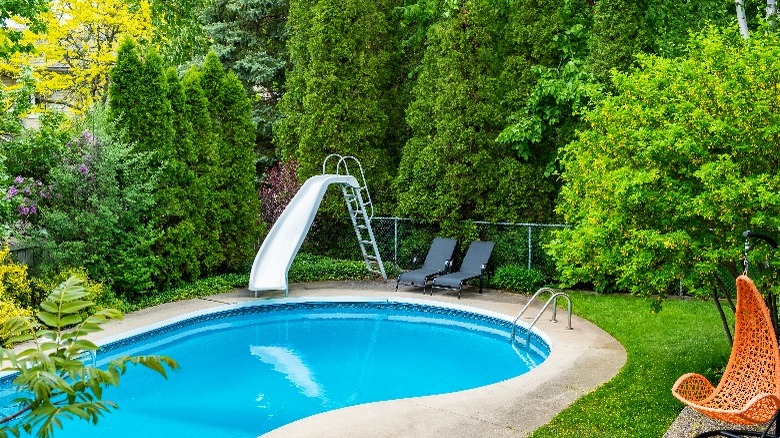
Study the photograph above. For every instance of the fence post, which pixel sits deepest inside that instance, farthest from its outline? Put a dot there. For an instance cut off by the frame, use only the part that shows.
(395, 240)
(529, 247)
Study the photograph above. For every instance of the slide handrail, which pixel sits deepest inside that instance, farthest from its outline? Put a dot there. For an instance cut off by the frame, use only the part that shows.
(342, 165)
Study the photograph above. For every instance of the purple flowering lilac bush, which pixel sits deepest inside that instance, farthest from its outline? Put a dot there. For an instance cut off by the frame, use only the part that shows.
(24, 199)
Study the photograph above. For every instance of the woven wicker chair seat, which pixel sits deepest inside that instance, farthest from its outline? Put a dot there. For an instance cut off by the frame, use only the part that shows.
(749, 391)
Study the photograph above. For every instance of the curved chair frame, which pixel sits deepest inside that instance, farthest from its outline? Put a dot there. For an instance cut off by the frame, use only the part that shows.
(749, 392)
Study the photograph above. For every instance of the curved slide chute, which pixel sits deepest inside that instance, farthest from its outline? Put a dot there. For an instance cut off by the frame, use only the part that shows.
(272, 263)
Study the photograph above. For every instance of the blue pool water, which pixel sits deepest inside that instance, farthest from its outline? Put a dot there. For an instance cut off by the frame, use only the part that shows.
(252, 369)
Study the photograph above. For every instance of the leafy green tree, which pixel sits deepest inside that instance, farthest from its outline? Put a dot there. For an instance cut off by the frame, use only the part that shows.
(139, 104)
(53, 382)
(29, 14)
(238, 208)
(673, 168)
(339, 85)
(250, 37)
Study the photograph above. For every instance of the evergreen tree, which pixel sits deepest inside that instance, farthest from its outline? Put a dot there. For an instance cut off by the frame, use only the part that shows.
(619, 32)
(249, 37)
(342, 75)
(202, 163)
(452, 168)
(234, 175)
(177, 249)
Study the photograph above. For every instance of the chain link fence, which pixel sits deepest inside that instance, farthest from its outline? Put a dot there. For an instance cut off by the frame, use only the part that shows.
(401, 240)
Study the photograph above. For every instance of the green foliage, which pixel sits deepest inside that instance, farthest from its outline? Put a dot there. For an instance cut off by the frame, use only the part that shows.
(176, 29)
(177, 248)
(250, 36)
(452, 168)
(100, 215)
(672, 22)
(619, 33)
(685, 337)
(139, 104)
(203, 164)
(16, 101)
(517, 278)
(238, 208)
(53, 383)
(307, 268)
(29, 12)
(673, 168)
(14, 283)
(338, 98)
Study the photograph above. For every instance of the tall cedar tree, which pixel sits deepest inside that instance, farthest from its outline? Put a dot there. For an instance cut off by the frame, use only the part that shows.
(619, 32)
(250, 37)
(177, 248)
(237, 215)
(452, 168)
(202, 162)
(340, 85)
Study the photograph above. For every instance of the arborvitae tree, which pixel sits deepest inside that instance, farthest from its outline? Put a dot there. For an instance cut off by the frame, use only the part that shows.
(139, 104)
(126, 101)
(250, 36)
(342, 74)
(231, 112)
(203, 164)
(619, 33)
(177, 249)
(452, 168)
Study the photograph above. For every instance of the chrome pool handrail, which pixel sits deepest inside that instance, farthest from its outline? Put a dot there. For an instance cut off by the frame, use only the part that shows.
(554, 300)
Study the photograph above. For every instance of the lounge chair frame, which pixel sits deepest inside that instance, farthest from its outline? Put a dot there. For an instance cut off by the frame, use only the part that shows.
(438, 261)
(475, 264)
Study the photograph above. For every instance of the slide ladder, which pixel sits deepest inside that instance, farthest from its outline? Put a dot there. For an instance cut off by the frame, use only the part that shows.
(358, 206)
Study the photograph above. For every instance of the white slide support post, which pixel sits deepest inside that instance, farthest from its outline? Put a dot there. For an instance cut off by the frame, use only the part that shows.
(272, 263)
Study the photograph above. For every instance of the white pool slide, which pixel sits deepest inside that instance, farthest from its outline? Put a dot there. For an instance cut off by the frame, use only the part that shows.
(272, 263)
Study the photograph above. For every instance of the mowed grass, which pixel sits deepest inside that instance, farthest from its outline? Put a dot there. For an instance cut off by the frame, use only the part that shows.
(686, 336)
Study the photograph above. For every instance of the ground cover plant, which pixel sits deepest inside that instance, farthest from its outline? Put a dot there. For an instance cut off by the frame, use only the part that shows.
(686, 336)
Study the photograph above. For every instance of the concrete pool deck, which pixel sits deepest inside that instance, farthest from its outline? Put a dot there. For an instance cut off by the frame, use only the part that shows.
(580, 360)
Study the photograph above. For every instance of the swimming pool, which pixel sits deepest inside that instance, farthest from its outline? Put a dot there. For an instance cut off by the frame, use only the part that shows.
(252, 368)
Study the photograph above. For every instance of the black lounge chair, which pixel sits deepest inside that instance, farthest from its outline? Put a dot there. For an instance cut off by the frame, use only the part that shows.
(436, 262)
(474, 265)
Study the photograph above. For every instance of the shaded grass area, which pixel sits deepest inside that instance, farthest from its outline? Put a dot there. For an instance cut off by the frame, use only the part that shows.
(305, 268)
(686, 336)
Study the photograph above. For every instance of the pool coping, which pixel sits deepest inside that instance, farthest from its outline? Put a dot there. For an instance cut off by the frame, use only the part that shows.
(580, 360)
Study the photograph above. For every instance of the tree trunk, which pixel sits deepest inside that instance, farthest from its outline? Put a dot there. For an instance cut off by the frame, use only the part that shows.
(742, 20)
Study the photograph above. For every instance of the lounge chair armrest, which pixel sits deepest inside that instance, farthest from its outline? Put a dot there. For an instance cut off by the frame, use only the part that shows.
(692, 388)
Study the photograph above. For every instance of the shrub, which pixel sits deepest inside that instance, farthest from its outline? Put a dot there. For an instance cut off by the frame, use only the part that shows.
(517, 278)
(280, 185)
(8, 311)
(96, 292)
(14, 283)
(100, 215)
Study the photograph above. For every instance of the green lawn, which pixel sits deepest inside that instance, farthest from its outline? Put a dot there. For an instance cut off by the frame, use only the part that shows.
(686, 336)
